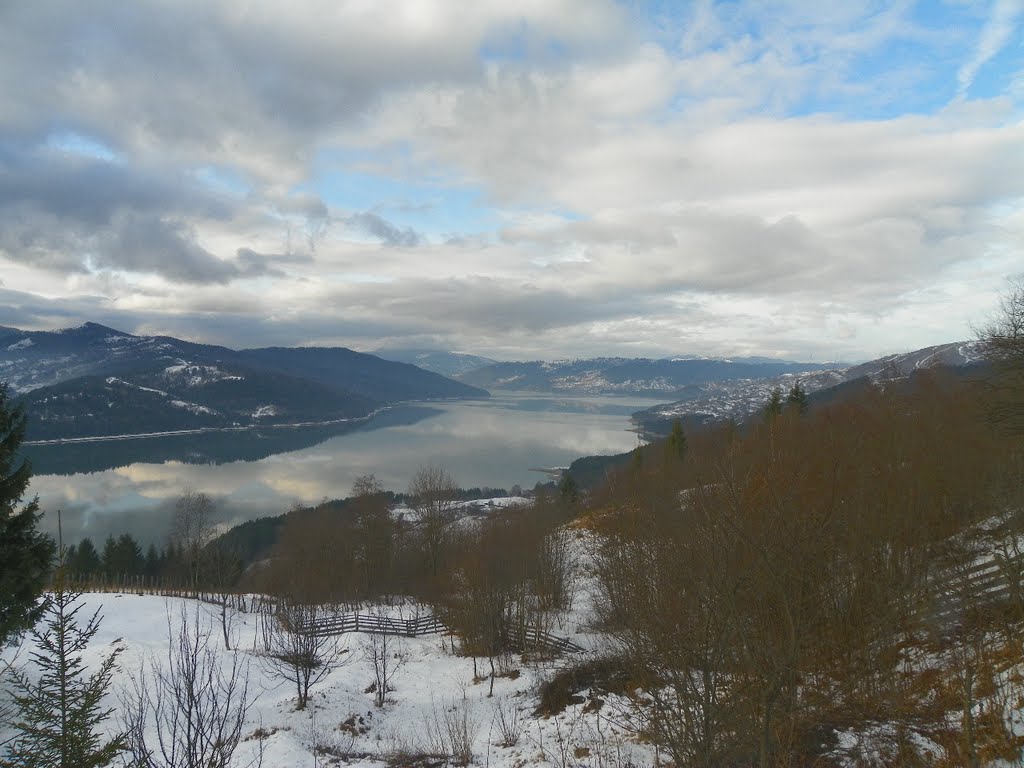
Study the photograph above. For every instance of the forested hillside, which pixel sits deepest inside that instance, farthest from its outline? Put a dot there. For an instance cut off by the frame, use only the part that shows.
(95, 381)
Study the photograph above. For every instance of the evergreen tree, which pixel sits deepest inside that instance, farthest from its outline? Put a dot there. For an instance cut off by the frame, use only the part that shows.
(83, 560)
(25, 553)
(773, 407)
(60, 712)
(109, 557)
(568, 490)
(676, 443)
(153, 564)
(797, 398)
(129, 555)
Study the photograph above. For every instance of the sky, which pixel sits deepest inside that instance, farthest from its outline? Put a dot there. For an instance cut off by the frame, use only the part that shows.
(521, 179)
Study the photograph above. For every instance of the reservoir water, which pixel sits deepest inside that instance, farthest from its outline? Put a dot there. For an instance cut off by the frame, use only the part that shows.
(133, 484)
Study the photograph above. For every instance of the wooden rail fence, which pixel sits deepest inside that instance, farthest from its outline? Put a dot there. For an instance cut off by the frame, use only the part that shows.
(425, 625)
(982, 585)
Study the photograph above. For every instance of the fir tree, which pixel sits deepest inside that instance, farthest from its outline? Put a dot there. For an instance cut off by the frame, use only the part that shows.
(774, 405)
(26, 554)
(60, 711)
(153, 564)
(676, 444)
(568, 490)
(85, 561)
(797, 398)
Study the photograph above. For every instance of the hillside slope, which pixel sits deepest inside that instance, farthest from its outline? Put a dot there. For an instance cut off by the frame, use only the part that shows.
(738, 398)
(678, 377)
(94, 381)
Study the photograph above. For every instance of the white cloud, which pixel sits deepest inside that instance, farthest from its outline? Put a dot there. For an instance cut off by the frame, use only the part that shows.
(994, 36)
(667, 184)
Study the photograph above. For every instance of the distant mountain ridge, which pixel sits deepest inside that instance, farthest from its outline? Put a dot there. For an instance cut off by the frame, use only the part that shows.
(739, 398)
(439, 361)
(93, 380)
(665, 377)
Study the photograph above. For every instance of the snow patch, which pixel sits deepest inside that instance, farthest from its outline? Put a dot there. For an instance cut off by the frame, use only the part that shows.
(264, 411)
(193, 407)
(198, 375)
(23, 344)
(123, 383)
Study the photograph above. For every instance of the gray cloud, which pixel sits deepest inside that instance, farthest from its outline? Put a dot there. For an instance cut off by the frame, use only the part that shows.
(656, 193)
(75, 214)
(89, 190)
(379, 227)
(254, 264)
(152, 244)
(203, 80)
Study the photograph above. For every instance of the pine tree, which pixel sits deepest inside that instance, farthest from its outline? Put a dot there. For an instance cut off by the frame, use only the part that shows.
(60, 712)
(26, 554)
(676, 444)
(773, 407)
(85, 561)
(797, 398)
(153, 564)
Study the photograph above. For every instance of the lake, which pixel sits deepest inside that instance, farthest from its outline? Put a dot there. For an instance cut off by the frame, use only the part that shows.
(486, 443)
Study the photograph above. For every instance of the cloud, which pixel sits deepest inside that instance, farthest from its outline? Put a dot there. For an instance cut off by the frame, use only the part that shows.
(994, 35)
(258, 85)
(624, 179)
(152, 244)
(379, 227)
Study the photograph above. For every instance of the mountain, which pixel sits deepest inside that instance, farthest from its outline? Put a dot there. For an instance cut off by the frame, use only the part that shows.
(360, 373)
(735, 399)
(93, 380)
(183, 397)
(445, 363)
(678, 377)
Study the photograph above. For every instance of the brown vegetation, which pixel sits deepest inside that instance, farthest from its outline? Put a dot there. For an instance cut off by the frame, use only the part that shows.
(778, 575)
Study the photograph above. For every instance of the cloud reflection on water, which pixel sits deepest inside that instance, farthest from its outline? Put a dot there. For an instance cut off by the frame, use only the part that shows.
(482, 443)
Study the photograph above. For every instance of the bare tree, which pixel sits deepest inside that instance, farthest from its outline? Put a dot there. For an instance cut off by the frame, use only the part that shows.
(191, 711)
(433, 492)
(193, 526)
(375, 535)
(297, 647)
(1002, 341)
(223, 570)
(383, 650)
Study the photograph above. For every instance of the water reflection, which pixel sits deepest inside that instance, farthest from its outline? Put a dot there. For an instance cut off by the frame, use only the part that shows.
(482, 443)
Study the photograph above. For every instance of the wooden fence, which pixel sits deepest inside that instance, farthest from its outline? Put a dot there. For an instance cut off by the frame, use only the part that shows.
(533, 637)
(989, 583)
(374, 625)
(339, 624)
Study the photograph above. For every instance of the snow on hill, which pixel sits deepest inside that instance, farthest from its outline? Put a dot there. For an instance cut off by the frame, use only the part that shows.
(738, 398)
(676, 377)
(430, 684)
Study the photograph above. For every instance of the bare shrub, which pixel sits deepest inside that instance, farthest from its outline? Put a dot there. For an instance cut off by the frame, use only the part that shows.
(297, 647)
(384, 651)
(509, 720)
(452, 730)
(189, 712)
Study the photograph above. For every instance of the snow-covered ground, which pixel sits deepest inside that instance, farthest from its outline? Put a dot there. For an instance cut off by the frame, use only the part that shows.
(431, 687)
